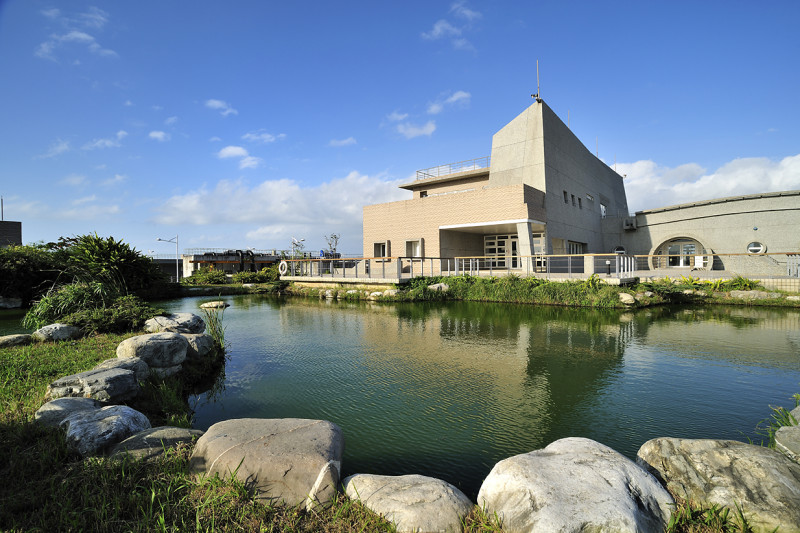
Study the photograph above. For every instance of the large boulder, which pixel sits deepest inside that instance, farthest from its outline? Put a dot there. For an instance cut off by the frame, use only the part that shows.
(114, 385)
(150, 444)
(292, 460)
(57, 332)
(201, 345)
(787, 440)
(575, 484)
(412, 503)
(93, 430)
(7, 341)
(763, 482)
(436, 287)
(176, 323)
(54, 412)
(158, 350)
(136, 364)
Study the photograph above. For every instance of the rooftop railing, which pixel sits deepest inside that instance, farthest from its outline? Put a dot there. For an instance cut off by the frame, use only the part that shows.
(452, 168)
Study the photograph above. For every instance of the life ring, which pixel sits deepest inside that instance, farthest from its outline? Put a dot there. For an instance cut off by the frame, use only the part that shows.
(283, 267)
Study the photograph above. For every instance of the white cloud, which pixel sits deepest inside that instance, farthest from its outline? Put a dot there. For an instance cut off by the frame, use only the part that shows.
(232, 151)
(84, 200)
(223, 107)
(88, 212)
(461, 10)
(650, 186)
(57, 148)
(215, 139)
(121, 134)
(74, 180)
(342, 142)
(396, 116)
(459, 97)
(441, 29)
(160, 136)
(262, 136)
(249, 162)
(94, 19)
(410, 130)
(170, 121)
(245, 159)
(118, 178)
(274, 209)
(127, 103)
(96, 144)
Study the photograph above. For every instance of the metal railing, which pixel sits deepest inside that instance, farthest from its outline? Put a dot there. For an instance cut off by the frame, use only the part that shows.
(452, 168)
(558, 266)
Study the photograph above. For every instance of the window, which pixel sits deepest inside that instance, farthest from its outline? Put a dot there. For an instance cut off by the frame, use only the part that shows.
(590, 198)
(566, 197)
(580, 204)
(379, 249)
(573, 200)
(423, 194)
(413, 249)
(756, 248)
(602, 211)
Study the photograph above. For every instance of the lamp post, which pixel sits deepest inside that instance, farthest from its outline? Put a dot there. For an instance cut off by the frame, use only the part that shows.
(177, 256)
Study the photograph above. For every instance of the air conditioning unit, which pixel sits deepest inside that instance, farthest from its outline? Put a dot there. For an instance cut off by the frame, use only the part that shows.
(629, 223)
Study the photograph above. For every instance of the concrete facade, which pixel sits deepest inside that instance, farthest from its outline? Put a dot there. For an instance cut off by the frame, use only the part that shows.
(543, 192)
(10, 233)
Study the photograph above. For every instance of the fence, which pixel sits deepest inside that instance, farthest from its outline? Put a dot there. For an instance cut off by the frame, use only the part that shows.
(774, 266)
(452, 168)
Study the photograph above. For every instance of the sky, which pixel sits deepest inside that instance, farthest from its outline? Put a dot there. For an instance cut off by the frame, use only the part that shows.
(246, 124)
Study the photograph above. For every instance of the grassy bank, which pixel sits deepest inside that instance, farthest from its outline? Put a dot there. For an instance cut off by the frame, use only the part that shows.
(49, 487)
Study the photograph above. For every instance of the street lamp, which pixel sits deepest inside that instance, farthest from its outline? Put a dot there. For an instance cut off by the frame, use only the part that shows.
(177, 256)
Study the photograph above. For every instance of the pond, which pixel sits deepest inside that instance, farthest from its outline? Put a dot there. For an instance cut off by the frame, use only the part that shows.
(449, 389)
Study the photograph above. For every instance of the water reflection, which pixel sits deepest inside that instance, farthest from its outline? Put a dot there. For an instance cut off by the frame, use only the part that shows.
(449, 389)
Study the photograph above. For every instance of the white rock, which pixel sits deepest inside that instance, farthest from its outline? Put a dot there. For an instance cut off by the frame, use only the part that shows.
(7, 341)
(390, 292)
(201, 345)
(787, 440)
(627, 298)
(151, 443)
(444, 287)
(292, 460)
(115, 385)
(575, 484)
(412, 503)
(218, 304)
(176, 323)
(57, 332)
(54, 412)
(763, 482)
(159, 350)
(138, 365)
(91, 431)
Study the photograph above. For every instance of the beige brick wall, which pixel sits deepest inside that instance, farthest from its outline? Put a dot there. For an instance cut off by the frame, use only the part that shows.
(406, 220)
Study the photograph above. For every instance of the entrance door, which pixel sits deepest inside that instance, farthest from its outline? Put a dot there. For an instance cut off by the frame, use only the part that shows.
(501, 251)
(680, 252)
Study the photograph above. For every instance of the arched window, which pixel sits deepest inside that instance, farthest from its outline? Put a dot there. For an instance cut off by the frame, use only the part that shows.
(681, 252)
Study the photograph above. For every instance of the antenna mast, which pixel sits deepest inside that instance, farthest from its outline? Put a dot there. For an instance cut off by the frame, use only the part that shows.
(538, 92)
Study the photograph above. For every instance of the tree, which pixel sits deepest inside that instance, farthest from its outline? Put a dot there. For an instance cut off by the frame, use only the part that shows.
(333, 241)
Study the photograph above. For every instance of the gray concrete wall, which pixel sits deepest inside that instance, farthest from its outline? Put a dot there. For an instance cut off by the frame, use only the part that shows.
(10, 233)
(724, 225)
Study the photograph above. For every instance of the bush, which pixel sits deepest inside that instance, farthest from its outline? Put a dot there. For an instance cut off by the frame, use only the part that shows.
(126, 313)
(65, 299)
(206, 276)
(265, 275)
(27, 272)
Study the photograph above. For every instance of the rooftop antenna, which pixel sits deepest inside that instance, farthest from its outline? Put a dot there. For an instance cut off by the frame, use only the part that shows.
(538, 92)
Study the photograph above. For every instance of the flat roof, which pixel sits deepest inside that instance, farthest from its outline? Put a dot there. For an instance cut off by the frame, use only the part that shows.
(720, 201)
(416, 184)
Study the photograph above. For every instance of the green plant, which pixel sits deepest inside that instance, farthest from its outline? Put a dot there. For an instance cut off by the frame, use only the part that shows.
(691, 517)
(62, 300)
(265, 275)
(592, 283)
(206, 276)
(213, 318)
(740, 283)
(779, 418)
(125, 313)
(27, 272)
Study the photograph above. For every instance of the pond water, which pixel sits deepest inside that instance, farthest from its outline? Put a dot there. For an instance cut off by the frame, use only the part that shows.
(449, 389)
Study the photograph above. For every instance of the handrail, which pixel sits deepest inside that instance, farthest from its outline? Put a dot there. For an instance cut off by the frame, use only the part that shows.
(452, 168)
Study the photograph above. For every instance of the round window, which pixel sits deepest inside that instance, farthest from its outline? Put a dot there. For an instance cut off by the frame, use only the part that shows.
(619, 250)
(756, 248)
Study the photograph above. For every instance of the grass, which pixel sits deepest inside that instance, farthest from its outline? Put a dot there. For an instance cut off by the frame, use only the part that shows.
(690, 517)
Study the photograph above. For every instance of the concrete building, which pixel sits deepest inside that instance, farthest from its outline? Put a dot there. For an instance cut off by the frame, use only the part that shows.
(10, 233)
(541, 192)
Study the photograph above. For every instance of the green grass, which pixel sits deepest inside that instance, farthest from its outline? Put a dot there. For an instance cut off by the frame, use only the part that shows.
(690, 517)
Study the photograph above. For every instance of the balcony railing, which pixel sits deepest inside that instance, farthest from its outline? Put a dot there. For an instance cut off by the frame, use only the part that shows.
(452, 168)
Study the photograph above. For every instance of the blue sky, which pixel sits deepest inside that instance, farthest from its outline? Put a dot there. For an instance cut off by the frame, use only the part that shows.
(242, 124)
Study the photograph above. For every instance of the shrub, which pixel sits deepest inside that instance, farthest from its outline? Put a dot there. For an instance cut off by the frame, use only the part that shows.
(742, 284)
(265, 275)
(206, 276)
(27, 272)
(126, 313)
(66, 299)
